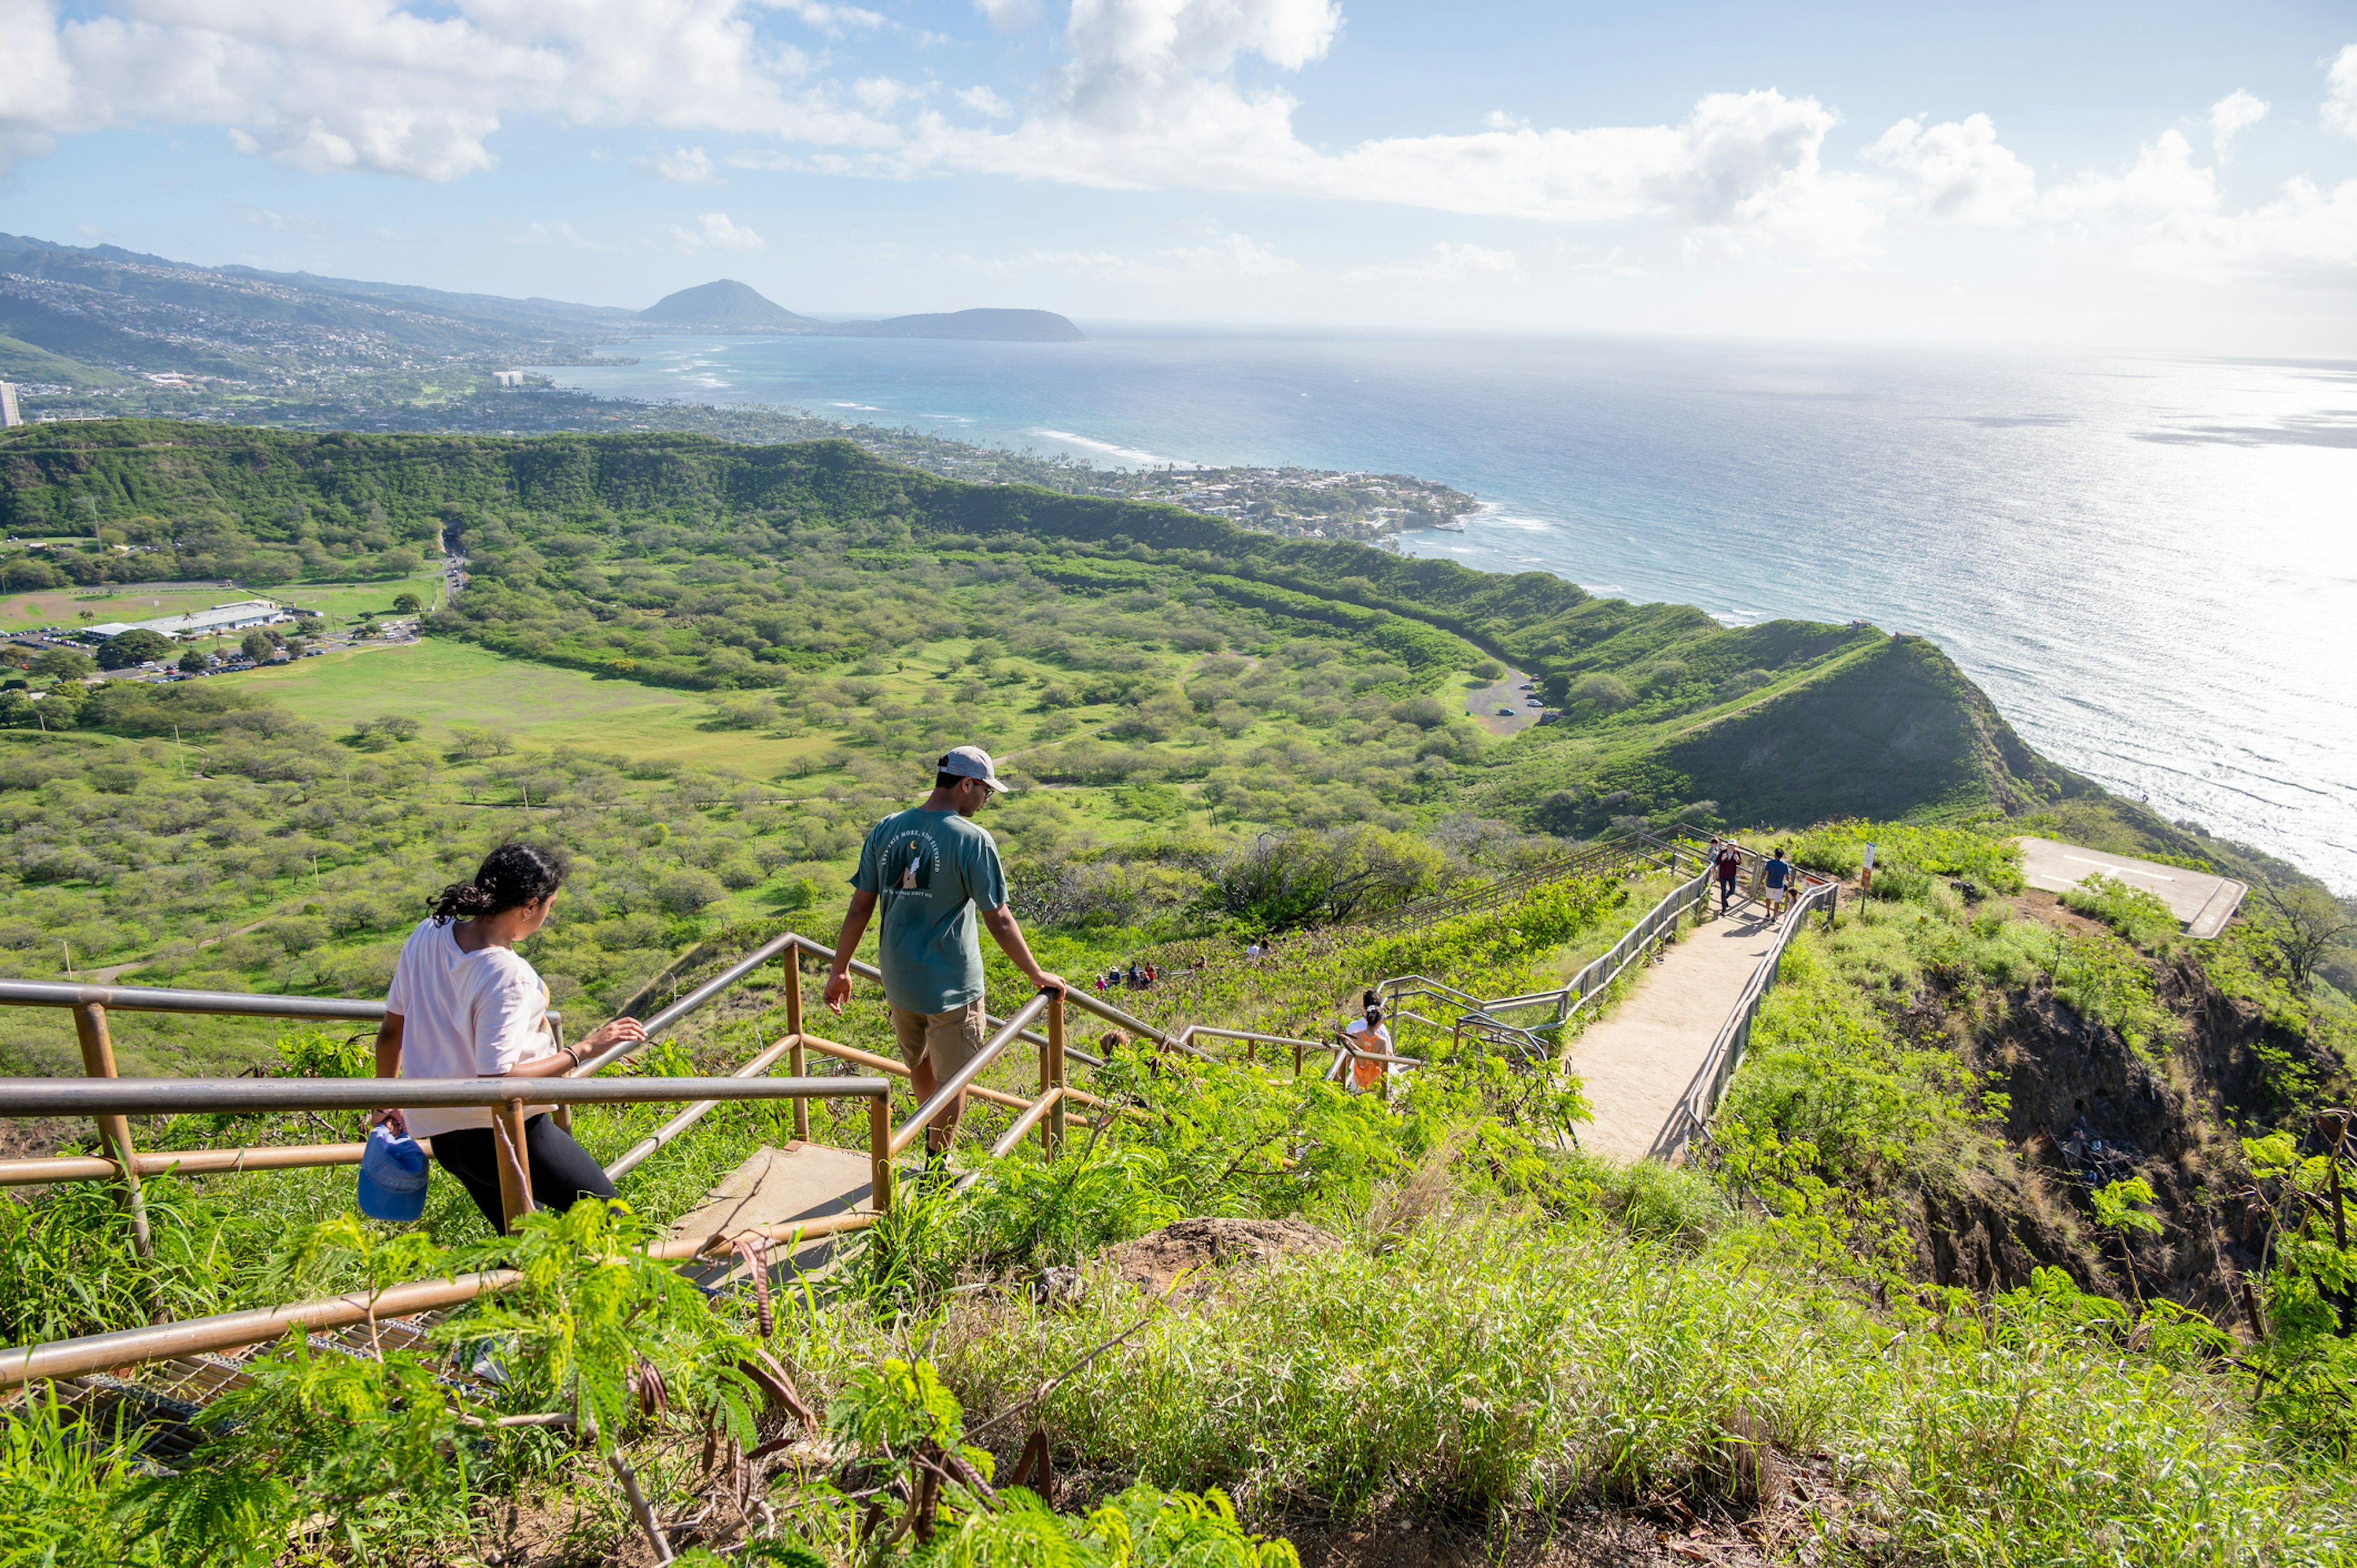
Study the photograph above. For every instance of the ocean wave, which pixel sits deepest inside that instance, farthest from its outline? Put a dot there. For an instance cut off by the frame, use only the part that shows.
(862, 407)
(1125, 453)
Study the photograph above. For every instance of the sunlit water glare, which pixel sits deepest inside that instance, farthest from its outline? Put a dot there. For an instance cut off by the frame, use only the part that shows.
(2149, 563)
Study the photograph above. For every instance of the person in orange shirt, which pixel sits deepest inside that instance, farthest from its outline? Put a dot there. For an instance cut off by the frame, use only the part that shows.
(1368, 1034)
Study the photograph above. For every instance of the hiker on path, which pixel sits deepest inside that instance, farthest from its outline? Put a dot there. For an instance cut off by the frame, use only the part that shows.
(1779, 878)
(1367, 1034)
(1726, 860)
(465, 1003)
(932, 868)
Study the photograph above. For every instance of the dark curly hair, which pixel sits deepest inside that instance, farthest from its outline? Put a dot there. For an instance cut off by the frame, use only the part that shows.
(510, 876)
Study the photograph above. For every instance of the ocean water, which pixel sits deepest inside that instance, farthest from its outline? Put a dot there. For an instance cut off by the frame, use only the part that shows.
(2149, 563)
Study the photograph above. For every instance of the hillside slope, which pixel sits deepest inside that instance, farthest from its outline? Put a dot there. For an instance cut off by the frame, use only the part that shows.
(1785, 722)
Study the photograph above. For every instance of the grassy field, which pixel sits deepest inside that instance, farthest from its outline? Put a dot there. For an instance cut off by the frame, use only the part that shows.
(443, 684)
(336, 601)
(347, 601)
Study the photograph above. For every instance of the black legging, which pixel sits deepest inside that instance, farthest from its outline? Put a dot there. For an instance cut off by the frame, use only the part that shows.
(562, 1171)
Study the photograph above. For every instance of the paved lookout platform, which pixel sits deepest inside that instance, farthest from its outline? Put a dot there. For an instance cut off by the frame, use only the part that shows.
(2204, 901)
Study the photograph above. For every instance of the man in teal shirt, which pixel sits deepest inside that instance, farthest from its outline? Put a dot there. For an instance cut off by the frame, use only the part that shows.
(931, 868)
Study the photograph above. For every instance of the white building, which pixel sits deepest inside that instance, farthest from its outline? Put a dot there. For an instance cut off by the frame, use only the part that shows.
(508, 378)
(8, 412)
(233, 617)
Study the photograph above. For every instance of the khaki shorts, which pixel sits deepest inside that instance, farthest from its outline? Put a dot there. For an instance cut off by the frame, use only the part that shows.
(947, 1040)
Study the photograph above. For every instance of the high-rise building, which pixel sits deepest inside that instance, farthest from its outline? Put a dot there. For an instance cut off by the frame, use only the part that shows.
(8, 414)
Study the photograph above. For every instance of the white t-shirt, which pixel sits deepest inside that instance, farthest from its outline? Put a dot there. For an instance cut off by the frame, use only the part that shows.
(464, 1015)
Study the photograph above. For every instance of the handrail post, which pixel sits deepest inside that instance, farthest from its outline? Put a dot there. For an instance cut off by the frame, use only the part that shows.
(514, 1164)
(562, 1114)
(1051, 1078)
(792, 982)
(879, 1153)
(113, 1131)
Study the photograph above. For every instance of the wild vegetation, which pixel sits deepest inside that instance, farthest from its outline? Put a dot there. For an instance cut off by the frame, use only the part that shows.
(1744, 1348)
(2021, 1236)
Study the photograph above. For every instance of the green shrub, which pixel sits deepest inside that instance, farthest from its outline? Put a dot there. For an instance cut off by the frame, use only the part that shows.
(2132, 912)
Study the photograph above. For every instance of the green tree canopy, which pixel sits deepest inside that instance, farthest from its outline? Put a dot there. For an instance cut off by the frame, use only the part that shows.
(131, 649)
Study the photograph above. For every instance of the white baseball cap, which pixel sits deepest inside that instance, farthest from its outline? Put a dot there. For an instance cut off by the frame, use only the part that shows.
(973, 762)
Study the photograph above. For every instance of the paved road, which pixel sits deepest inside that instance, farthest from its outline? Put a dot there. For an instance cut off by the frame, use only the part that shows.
(1484, 702)
(2204, 902)
(1640, 1062)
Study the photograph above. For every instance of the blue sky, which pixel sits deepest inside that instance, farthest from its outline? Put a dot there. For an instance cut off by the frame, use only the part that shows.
(2163, 176)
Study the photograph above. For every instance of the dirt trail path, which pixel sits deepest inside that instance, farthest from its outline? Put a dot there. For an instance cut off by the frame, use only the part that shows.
(1640, 1062)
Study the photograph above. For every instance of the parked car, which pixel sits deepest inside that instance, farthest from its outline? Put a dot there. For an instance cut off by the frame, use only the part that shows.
(1505, 713)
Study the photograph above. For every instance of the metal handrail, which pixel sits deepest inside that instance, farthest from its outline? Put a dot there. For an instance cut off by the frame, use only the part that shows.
(228, 1330)
(956, 1084)
(1709, 1083)
(152, 999)
(175, 1096)
(690, 1003)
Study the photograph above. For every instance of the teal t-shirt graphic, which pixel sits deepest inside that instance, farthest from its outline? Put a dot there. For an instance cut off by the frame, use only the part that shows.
(929, 870)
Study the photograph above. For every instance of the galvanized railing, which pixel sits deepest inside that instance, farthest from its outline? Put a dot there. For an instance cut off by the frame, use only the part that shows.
(111, 1100)
(1708, 1086)
(1480, 1017)
(507, 1099)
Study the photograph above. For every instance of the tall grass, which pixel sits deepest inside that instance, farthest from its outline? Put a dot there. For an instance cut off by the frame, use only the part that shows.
(1500, 1361)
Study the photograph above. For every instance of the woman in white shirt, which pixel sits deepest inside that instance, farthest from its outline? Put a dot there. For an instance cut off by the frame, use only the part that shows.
(465, 1003)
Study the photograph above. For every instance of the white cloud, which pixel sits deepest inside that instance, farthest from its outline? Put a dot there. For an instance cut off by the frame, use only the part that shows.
(2307, 229)
(882, 94)
(832, 20)
(982, 101)
(1449, 263)
(2231, 116)
(1962, 174)
(716, 232)
(685, 166)
(2162, 180)
(1009, 16)
(366, 84)
(2341, 92)
(1235, 254)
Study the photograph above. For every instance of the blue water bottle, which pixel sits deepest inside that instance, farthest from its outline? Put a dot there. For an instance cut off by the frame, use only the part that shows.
(393, 1178)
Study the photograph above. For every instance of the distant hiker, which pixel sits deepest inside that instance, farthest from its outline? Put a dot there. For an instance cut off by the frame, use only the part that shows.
(931, 867)
(1100, 978)
(1727, 861)
(1367, 1034)
(1253, 951)
(464, 1004)
(1778, 877)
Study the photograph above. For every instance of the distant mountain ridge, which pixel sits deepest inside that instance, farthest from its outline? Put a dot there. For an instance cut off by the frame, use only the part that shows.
(971, 325)
(82, 316)
(729, 304)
